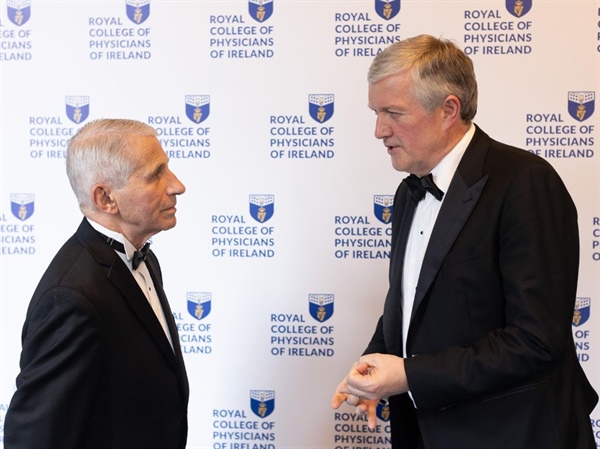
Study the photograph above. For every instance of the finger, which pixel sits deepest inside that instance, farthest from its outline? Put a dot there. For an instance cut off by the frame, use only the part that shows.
(372, 416)
(354, 392)
(352, 399)
(338, 399)
(361, 409)
(360, 368)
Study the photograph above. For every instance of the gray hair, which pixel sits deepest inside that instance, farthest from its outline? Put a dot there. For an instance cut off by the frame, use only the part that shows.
(438, 67)
(99, 153)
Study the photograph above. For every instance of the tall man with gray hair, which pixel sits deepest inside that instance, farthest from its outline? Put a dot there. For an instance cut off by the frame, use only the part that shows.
(474, 349)
(101, 365)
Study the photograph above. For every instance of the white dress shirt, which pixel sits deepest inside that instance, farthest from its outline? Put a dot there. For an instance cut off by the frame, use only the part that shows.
(420, 231)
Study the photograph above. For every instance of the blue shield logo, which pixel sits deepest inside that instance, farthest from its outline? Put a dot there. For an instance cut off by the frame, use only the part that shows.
(262, 402)
(137, 10)
(383, 411)
(384, 206)
(260, 10)
(19, 11)
(320, 306)
(199, 304)
(22, 205)
(581, 105)
(262, 207)
(518, 8)
(320, 107)
(197, 107)
(387, 9)
(78, 108)
(582, 311)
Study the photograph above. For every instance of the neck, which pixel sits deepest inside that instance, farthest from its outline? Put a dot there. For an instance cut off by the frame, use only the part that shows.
(453, 137)
(137, 240)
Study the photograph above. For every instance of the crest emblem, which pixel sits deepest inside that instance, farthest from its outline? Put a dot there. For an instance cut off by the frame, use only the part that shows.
(137, 10)
(581, 105)
(262, 402)
(19, 11)
(387, 9)
(262, 207)
(22, 205)
(197, 107)
(320, 107)
(320, 306)
(199, 304)
(260, 10)
(384, 206)
(518, 8)
(78, 108)
(582, 311)
(383, 411)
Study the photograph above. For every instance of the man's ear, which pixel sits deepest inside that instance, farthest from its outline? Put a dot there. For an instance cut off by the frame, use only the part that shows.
(451, 108)
(103, 199)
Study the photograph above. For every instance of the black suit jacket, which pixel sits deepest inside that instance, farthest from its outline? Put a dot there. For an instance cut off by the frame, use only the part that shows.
(491, 360)
(97, 371)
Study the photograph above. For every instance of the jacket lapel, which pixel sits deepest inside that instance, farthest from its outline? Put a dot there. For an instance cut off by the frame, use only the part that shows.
(122, 279)
(404, 210)
(463, 194)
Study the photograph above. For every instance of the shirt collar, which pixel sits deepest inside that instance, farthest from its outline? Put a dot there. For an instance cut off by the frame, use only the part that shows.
(444, 170)
(129, 248)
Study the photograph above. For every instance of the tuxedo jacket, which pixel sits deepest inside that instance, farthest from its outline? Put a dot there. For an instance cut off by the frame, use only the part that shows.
(491, 361)
(97, 370)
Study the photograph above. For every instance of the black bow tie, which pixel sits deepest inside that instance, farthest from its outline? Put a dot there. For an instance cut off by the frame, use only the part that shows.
(138, 256)
(419, 186)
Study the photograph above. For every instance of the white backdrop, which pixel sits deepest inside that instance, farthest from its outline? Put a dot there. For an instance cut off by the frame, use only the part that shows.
(273, 304)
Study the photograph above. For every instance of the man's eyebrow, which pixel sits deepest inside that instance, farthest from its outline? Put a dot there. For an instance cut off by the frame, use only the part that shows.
(156, 169)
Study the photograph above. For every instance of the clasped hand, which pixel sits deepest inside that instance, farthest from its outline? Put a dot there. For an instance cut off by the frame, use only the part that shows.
(371, 378)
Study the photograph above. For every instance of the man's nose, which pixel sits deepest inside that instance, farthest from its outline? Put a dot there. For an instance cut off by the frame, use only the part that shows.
(382, 128)
(177, 187)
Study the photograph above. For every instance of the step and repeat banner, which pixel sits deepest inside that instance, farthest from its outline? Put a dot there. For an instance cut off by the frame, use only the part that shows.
(277, 269)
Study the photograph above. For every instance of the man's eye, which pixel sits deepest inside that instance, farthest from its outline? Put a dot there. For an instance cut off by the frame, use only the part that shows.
(154, 176)
(158, 173)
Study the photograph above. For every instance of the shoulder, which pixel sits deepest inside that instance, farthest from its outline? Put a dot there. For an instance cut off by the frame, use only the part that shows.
(71, 267)
(486, 156)
(505, 156)
(74, 282)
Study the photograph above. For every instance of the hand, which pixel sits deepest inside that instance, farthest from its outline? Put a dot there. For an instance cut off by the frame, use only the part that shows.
(376, 376)
(362, 406)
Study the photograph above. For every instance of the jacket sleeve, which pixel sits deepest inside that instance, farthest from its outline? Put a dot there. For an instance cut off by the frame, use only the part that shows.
(59, 374)
(377, 343)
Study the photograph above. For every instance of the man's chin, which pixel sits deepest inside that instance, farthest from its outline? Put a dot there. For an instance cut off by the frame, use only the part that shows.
(398, 165)
(169, 223)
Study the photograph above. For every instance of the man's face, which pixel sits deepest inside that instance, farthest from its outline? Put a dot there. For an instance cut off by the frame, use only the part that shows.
(147, 202)
(414, 137)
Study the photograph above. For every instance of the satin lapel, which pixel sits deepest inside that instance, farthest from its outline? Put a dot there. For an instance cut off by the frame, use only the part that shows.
(393, 304)
(122, 279)
(406, 218)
